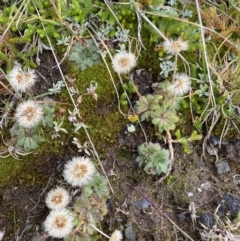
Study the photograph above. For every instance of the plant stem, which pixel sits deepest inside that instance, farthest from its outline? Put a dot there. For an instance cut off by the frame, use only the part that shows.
(175, 68)
(205, 52)
(101, 232)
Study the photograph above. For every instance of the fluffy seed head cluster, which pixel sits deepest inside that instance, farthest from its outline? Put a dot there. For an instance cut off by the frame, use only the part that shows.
(181, 85)
(116, 236)
(123, 62)
(79, 171)
(57, 198)
(29, 114)
(175, 46)
(59, 223)
(21, 80)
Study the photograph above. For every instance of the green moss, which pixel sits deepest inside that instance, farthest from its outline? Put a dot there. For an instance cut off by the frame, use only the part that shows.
(102, 116)
(30, 169)
(10, 169)
(14, 171)
(149, 58)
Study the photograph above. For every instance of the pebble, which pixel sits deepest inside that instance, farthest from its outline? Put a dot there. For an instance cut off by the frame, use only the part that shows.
(190, 194)
(237, 180)
(206, 185)
(208, 220)
(222, 167)
(142, 204)
(232, 203)
(129, 232)
(212, 151)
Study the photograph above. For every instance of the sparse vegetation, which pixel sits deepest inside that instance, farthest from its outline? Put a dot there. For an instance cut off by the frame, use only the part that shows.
(78, 103)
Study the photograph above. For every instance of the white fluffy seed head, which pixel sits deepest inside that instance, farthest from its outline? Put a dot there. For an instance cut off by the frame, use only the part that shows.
(21, 80)
(57, 198)
(116, 236)
(29, 114)
(59, 223)
(123, 62)
(181, 85)
(175, 46)
(78, 171)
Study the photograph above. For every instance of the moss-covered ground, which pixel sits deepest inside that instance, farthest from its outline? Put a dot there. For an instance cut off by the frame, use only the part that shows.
(102, 117)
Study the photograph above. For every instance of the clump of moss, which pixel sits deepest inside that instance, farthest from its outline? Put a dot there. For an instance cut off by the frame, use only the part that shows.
(102, 116)
(27, 170)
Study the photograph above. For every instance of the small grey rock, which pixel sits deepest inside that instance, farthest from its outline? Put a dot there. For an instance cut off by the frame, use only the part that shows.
(237, 180)
(129, 232)
(207, 219)
(212, 151)
(213, 140)
(222, 167)
(232, 203)
(142, 204)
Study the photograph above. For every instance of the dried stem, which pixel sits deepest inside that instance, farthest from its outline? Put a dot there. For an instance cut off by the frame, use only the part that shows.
(100, 231)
